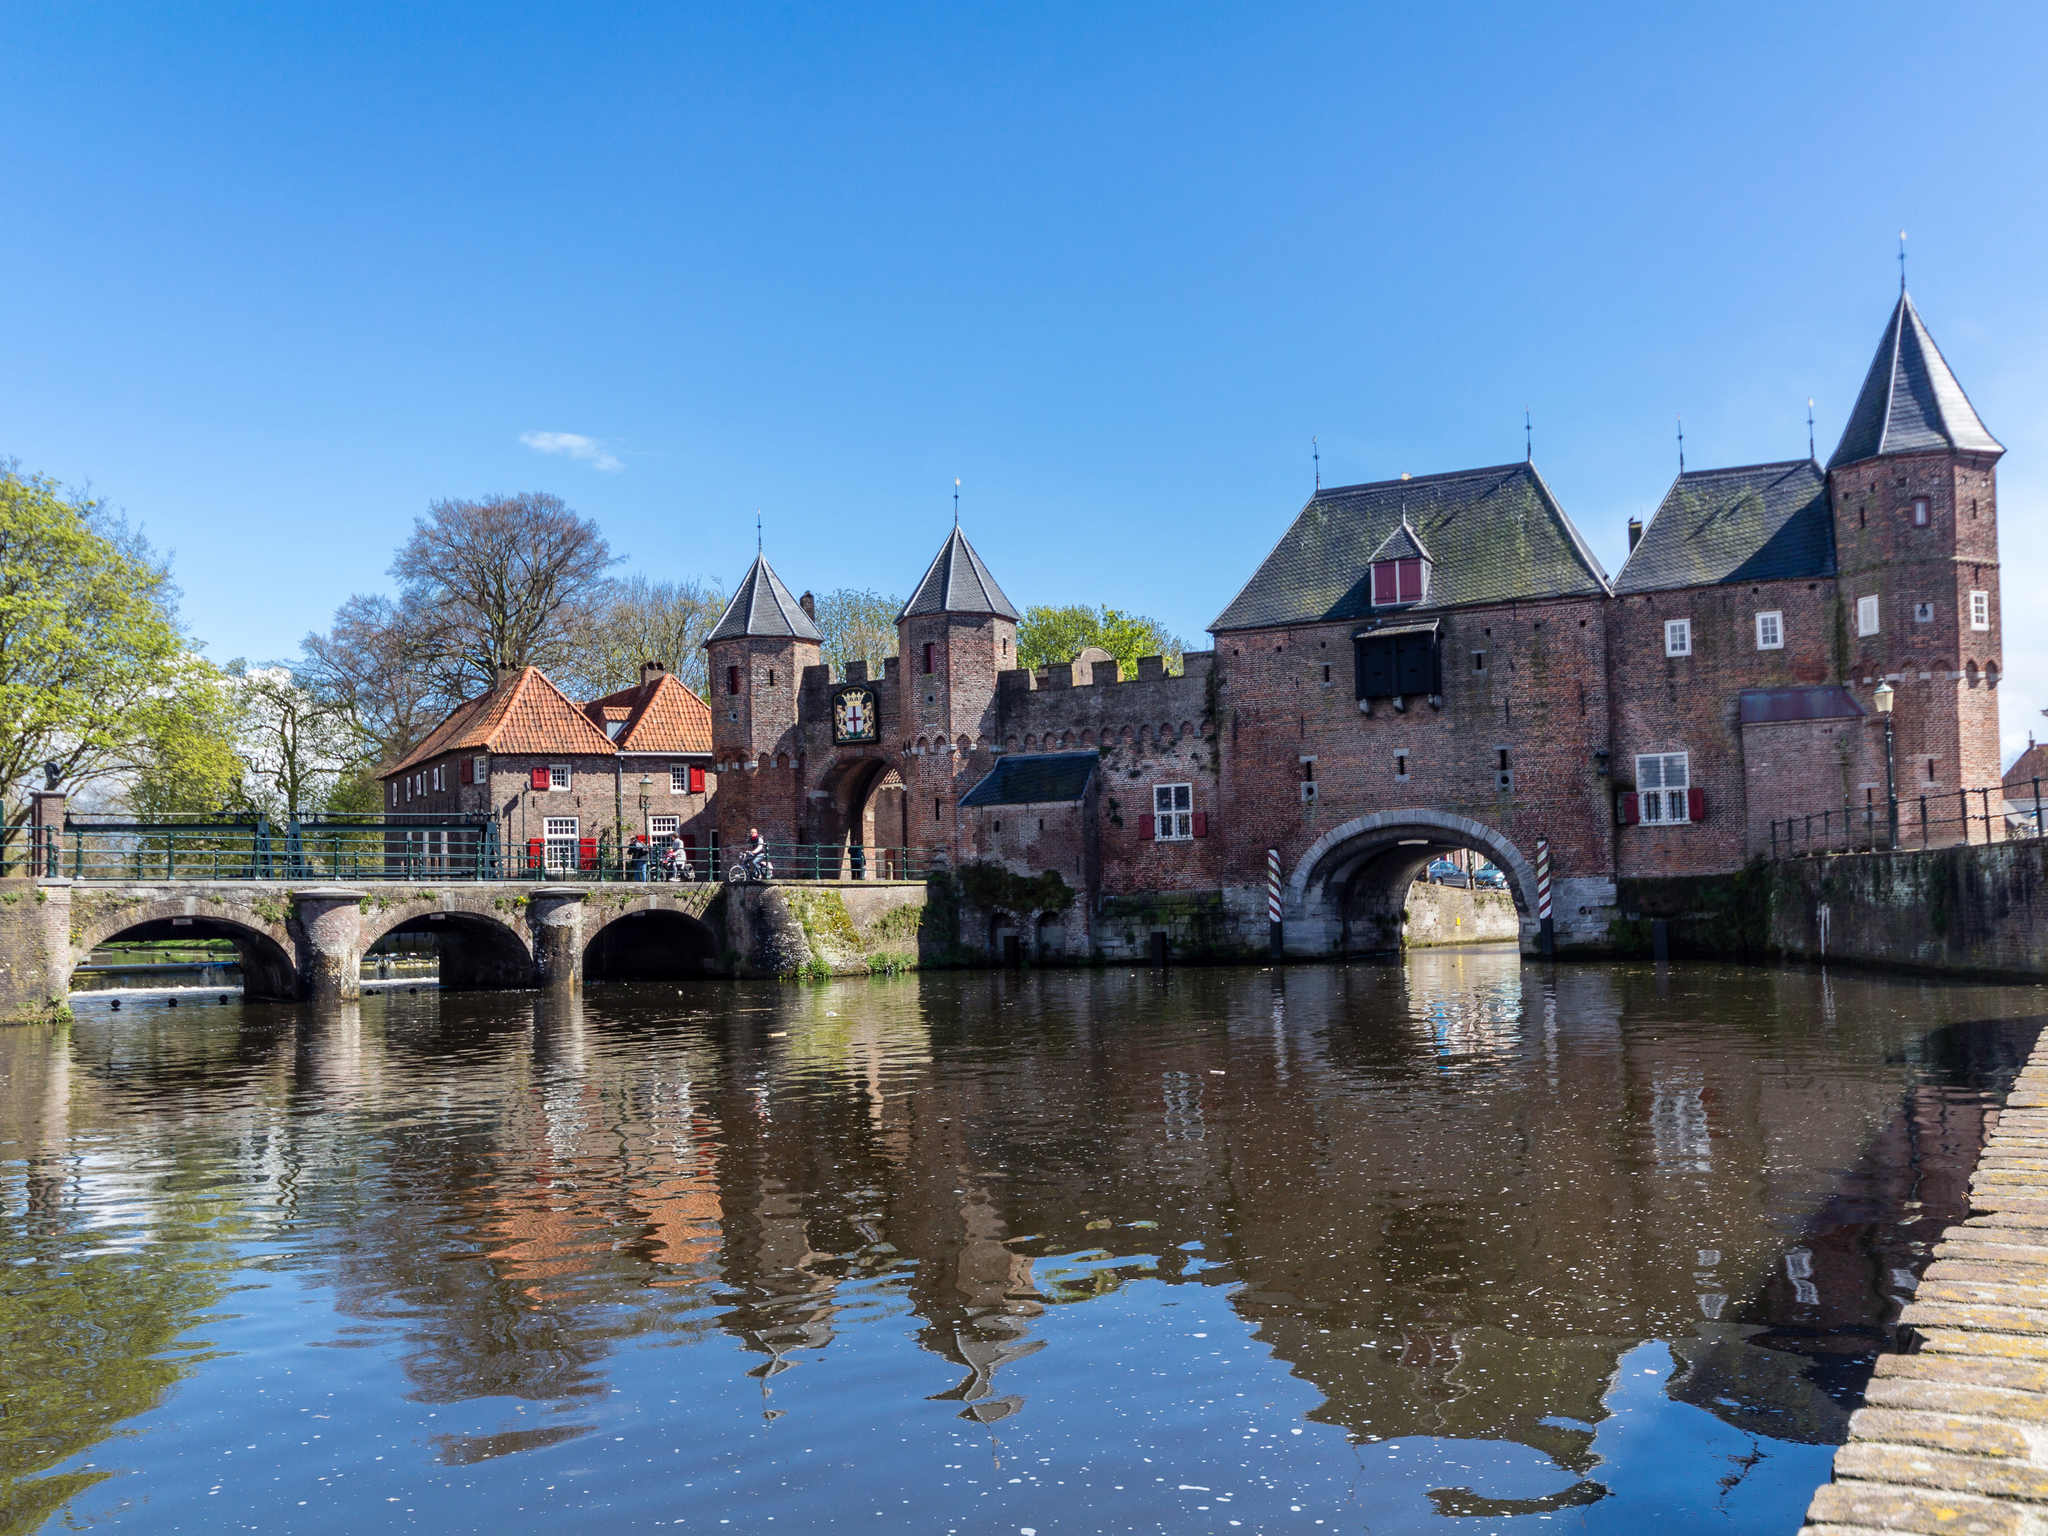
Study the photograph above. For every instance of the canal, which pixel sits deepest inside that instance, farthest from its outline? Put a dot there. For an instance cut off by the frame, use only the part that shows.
(1457, 1244)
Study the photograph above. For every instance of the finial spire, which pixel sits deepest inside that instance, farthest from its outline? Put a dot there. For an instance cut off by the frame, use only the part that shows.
(1528, 438)
(1902, 261)
(1809, 426)
(956, 501)
(1681, 445)
(1315, 448)
(757, 531)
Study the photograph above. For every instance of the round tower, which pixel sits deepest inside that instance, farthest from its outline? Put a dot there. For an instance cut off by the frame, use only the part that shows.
(758, 652)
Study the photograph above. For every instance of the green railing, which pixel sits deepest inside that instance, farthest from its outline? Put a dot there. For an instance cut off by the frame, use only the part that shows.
(107, 850)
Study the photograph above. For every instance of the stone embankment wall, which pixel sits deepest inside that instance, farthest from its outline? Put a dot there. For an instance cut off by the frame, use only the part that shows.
(1447, 914)
(35, 956)
(832, 930)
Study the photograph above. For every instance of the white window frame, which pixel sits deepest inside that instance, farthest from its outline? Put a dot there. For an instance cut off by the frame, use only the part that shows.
(1770, 630)
(679, 778)
(558, 777)
(663, 827)
(1173, 813)
(394, 791)
(1868, 619)
(555, 839)
(1923, 513)
(1660, 802)
(1980, 610)
(479, 769)
(1678, 637)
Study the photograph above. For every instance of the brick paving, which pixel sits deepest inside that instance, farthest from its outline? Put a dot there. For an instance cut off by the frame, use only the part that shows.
(1954, 1438)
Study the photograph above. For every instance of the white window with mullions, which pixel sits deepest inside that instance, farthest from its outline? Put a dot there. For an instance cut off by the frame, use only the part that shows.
(558, 775)
(663, 827)
(1173, 812)
(1770, 630)
(1980, 610)
(560, 850)
(679, 778)
(1678, 637)
(1662, 780)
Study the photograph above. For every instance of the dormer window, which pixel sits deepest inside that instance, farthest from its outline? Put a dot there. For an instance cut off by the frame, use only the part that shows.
(1395, 582)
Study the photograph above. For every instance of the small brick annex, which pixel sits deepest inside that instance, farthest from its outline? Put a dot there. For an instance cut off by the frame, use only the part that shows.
(1418, 665)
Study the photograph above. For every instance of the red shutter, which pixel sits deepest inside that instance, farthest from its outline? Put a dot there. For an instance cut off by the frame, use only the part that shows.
(1696, 803)
(1201, 823)
(586, 853)
(536, 851)
(1384, 584)
(1630, 809)
(540, 778)
(1145, 828)
(1411, 581)
(732, 679)
(697, 779)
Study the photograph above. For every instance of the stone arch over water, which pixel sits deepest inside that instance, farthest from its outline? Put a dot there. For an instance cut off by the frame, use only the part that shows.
(1354, 879)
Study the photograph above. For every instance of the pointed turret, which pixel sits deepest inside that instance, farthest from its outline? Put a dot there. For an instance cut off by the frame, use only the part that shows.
(761, 607)
(1910, 401)
(957, 582)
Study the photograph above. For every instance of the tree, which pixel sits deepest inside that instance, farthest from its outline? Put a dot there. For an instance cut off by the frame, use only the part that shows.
(96, 677)
(639, 620)
(295, 747)
(858, 624)
(1047, 635)
(377, 666)
(500, 582)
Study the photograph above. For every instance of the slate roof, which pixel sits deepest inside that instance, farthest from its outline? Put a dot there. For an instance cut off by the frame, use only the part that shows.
(1778, 706)
(957, 582)
(1758, 522)
(1494, 535)
(1401, 544)
(2030, 765)
(662, 716)
(762, 606)
(1910, 401)
(1034, 778)
(525, 714)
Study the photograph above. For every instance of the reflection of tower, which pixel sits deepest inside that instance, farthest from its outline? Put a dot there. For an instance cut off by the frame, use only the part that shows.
(759, 650)
(1915, 495)
(954, 635)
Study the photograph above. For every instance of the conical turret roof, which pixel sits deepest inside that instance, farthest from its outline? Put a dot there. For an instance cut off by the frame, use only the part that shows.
(763, 607)
(1910, 401)
(957, 582)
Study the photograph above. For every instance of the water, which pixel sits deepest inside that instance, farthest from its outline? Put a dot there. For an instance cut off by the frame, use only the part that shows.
(1456, 1245)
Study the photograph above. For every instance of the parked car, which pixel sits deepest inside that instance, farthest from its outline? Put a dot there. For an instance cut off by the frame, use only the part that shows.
(1445, 872)
(1490, 879)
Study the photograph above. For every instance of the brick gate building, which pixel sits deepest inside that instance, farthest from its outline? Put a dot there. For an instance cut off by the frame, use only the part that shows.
(1421, 664)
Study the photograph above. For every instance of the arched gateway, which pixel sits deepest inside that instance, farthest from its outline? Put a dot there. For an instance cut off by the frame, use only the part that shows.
(1347, 891)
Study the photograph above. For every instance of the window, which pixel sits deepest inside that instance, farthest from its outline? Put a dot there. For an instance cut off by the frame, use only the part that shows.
(1397, 581)
(1400, 765)
(1173, 812)
(1930, 770)
(1770, 631)
(394, 791)
(732, 680)
(679, 779)
(929, 652)
(1678, 637)
(613, 727)
(1393, 666)
(1479, 661)
(1662, 779)
(663, 827)
(558, 775)
(1980, 610)
(560, 850)
(408, 788)
(479, 769)
(1326, 671)
(771, 677)
(1923, 613)
(1919, 511)
(1866, 615)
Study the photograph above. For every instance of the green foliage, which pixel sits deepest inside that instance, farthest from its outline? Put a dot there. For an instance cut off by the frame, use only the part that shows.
(858, 625)
(993, 888)
(1048, 635)
(95, 675)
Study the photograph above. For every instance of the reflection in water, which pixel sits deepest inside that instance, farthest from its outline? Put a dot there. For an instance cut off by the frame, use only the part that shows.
(1358, 1247)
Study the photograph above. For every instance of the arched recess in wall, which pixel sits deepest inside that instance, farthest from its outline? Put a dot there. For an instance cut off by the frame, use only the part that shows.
(1356, 876)
(651, 944)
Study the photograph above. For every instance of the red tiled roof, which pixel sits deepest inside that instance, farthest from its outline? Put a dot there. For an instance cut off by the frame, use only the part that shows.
(664, 716)
(526, 714)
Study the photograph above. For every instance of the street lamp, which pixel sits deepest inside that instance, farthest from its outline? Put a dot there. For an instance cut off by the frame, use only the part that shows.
(1884, 698)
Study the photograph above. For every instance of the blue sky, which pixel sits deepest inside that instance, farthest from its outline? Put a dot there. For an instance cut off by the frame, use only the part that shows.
(275, 279)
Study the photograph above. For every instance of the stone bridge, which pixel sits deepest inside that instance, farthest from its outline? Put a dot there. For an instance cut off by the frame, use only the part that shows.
(308, 940)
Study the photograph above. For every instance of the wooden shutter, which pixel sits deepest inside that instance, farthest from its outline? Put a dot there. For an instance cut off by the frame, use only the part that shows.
(1201, 823)
(1628, 809)
(1696, 803)
(536, 852)
(1411, 581)
(1145, 828)
(540, 778)
(1375, 661)
(1415, 664)
(1385, 584)
(697, 779)
(586, 853)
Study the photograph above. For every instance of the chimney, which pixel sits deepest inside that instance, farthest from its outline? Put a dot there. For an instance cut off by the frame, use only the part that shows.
(652, 672)
(503, 674)
(1635, 533)
(809, 604)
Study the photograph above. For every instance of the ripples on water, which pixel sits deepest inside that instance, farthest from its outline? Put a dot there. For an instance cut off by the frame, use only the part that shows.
(1350, 1249)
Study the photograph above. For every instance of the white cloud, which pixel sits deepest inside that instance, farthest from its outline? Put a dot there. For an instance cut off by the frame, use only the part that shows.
(574, 445)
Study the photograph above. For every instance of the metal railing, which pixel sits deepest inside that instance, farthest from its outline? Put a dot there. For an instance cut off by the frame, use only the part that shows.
(1944, 819)
(397, 846)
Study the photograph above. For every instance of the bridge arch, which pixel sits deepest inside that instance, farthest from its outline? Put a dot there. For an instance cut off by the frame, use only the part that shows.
(263, 949)
(659, 939)
(477, 951)
(1354, 879)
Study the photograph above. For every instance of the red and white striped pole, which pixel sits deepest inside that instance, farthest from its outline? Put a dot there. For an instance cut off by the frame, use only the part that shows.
(1544, 924)
(1273, 900)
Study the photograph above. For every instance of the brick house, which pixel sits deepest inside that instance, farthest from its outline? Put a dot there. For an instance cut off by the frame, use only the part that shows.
(552, 784)
(1423, 665)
